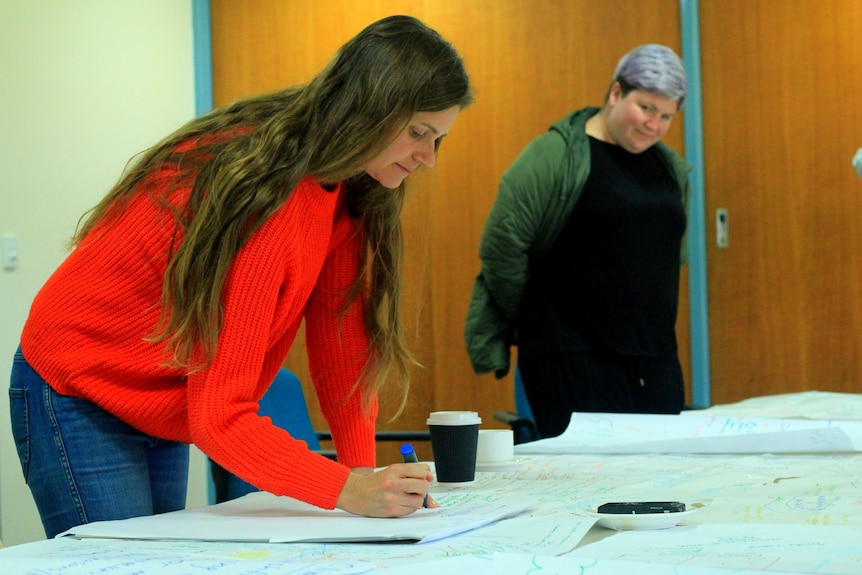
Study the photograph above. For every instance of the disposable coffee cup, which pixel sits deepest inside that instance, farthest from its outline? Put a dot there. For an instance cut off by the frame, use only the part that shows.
(495, 446)
(454, 437)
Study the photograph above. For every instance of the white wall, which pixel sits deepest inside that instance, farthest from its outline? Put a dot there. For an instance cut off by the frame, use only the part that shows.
(84, 85)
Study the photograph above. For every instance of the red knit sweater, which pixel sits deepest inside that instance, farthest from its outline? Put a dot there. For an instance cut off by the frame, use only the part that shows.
(86, 329)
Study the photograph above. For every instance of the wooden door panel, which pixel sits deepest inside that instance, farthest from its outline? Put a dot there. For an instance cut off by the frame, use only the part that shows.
(781, 85)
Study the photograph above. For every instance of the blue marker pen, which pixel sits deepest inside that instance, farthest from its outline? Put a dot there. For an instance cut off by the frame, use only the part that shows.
(409, 456)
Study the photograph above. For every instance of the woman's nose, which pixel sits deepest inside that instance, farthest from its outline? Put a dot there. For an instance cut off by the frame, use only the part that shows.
(426, 154)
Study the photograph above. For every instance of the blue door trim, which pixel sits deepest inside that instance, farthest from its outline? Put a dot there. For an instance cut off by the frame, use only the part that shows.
(698, 295)
(203, 56)
(202, 41)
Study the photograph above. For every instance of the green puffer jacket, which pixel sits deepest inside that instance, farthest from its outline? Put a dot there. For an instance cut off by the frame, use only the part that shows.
(536, 195)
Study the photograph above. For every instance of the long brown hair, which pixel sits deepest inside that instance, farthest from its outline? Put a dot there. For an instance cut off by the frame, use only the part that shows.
(242, 162)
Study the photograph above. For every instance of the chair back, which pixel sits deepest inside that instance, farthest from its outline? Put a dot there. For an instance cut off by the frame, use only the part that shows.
(284, 403)
(522, 405)
(522, 422)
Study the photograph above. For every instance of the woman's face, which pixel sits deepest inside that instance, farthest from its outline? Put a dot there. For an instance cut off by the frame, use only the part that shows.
(638, 120)
(416, 145)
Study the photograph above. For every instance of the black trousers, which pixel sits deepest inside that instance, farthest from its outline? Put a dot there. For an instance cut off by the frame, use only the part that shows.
(558, 385)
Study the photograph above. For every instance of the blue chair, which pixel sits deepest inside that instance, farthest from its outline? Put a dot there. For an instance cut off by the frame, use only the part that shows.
(522, 422)
(522, 404)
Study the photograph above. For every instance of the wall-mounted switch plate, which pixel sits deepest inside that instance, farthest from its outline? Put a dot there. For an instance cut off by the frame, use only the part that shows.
(9, 246)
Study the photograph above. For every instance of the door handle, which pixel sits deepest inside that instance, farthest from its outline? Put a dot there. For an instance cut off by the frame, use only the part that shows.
(721, 239)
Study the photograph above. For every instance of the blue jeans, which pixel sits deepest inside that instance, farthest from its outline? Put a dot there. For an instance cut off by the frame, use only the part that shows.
(82, 464)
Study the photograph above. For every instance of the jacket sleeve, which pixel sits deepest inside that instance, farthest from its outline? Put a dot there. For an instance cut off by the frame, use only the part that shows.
(508, 239)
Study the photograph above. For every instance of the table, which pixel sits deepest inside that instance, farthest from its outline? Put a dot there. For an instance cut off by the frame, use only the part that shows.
(761, 513)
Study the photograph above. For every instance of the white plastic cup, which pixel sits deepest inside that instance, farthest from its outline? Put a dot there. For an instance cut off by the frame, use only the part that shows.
(495, 446)
(454, 438)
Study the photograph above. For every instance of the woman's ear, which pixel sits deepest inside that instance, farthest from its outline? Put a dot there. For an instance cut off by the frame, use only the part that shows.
(615, 94)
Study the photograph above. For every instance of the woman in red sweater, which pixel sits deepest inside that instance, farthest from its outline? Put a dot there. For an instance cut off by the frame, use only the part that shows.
(188, 282)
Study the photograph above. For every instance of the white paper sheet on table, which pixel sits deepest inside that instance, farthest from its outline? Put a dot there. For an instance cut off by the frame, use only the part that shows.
(832, 549)
(826, 405)
(264, 517)
(68, 556)
(651, 433)
(73, 557)
(526, 564)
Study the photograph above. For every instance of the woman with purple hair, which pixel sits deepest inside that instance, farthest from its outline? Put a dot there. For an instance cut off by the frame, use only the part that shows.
(581, 255)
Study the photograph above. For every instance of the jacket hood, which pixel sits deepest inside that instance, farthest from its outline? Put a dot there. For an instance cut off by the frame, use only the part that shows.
(573, 124)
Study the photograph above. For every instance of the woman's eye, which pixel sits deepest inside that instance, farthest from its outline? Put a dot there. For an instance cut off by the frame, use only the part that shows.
(416, 134)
